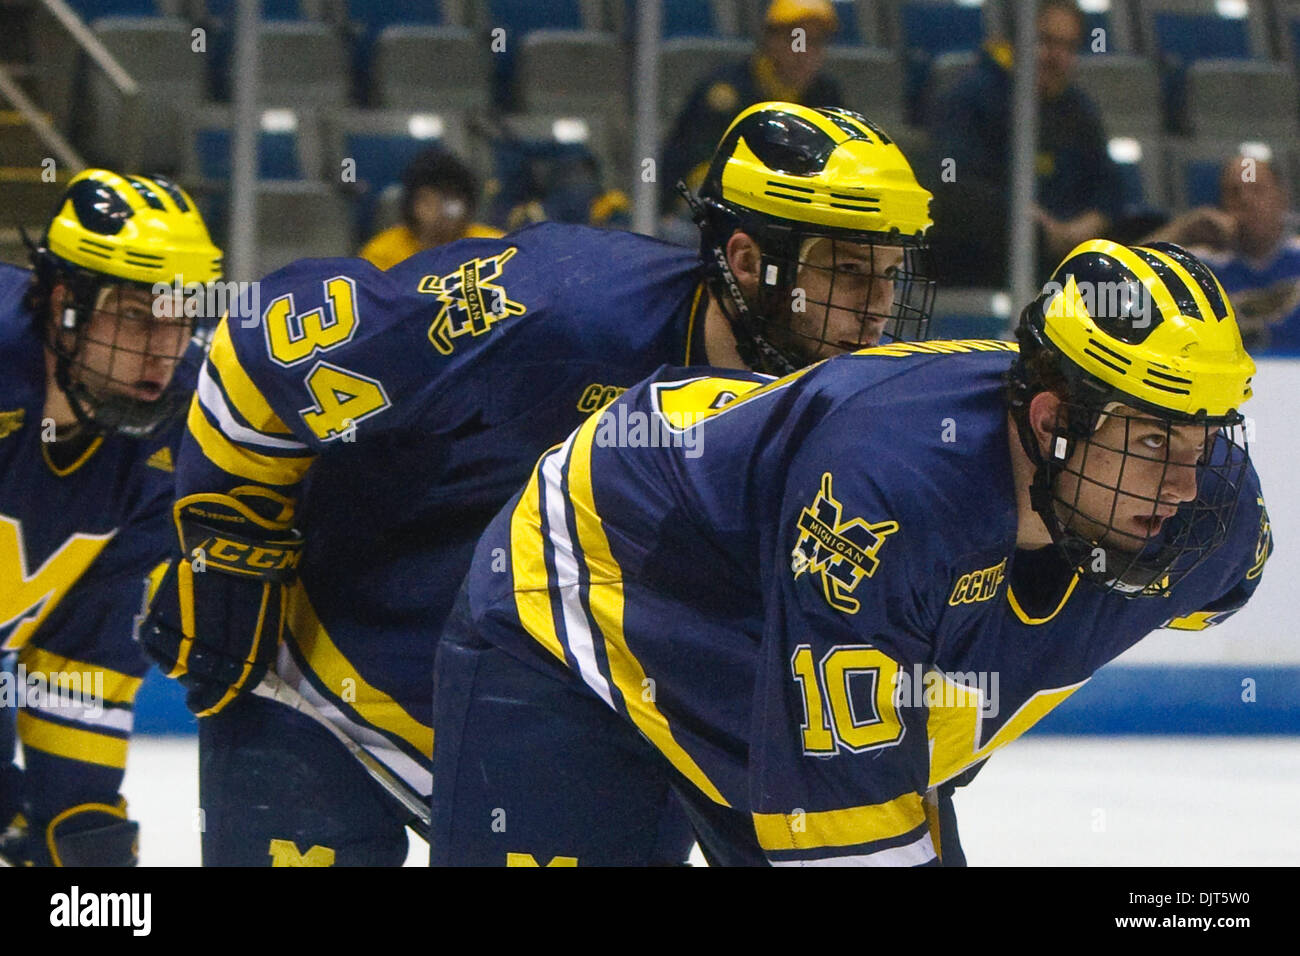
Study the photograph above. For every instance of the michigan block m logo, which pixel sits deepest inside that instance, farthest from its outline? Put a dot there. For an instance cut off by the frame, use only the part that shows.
(842, 552)
(26, 599)
(471, 300)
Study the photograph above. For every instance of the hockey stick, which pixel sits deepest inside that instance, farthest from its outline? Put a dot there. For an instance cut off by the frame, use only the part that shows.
(274, 688)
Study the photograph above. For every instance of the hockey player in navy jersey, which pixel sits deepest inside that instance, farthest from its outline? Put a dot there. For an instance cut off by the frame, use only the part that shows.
(345, 454)
(822, 605)
(92, 374)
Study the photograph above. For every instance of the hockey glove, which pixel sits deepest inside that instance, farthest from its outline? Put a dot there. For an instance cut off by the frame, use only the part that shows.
(90, 834)
(219, 613)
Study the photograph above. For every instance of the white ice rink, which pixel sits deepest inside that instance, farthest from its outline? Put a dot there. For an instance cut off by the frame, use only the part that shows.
(1092, 801)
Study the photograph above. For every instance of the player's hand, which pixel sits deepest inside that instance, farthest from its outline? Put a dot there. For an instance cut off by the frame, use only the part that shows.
(217, 617)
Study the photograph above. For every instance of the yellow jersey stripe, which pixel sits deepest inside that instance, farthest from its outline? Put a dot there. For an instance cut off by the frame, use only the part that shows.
(343, 682)
(848, 827)
(240, 461)
(71, 743)
(238, 686)
(1024, 615)
(239, 387)
(528, 565)
(65, 672)
(81, 459)
(605, 598)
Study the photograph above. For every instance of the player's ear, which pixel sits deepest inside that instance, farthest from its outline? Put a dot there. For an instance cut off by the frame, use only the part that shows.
(1045, 416)
(745, 259)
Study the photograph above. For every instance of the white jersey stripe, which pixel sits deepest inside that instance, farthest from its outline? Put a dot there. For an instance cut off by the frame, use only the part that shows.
(211, 398)
(93, 717)
(415, 775)
(577, 634)
(919, 851)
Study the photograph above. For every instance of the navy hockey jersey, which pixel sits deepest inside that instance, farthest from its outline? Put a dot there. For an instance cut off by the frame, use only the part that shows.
(77, 542)
(802, 592)
(400, 410)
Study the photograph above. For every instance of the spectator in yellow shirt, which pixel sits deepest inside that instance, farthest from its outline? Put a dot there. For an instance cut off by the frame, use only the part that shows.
(439, 195)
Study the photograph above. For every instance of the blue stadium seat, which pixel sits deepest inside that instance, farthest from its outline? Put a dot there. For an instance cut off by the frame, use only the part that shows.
(370, 18)
(1097, 20)
(224, 10)
(928, 30)
(850, 32)
(681, 18)
(521, 16)
(1180, 39)
(374, 15)
(1190, 37)
(934, 28)
(381, 158)
(277, 154)
(93, 9)
(1132, 193)
(1201, 182)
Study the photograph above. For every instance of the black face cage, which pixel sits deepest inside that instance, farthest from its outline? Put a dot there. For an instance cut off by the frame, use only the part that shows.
(1137, 537)
(788, 327)
(863, 299)
(97, 362)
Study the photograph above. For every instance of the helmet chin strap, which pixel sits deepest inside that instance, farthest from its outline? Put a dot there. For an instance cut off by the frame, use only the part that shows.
(753, 347)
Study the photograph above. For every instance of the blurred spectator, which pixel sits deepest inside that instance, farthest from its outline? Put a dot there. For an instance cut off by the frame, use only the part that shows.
(439, 195)
(1077, 185)
(540, 180)
(1250, 243)
(779, 69)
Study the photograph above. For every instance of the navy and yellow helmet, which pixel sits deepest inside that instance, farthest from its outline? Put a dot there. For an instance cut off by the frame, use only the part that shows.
(134, 228)
(109, 234)
(784, 174)
(1148, 325)
(828, 168)
(1138, 335)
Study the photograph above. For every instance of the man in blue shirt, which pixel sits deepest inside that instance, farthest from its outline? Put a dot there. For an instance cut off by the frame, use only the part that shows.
(1077, 188)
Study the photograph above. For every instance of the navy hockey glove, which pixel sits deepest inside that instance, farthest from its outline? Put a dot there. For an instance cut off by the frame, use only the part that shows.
(89, 834)
(219, 613)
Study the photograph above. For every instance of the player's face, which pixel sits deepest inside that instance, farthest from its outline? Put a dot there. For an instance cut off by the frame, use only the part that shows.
(440, 216)
(1130, 478)
(126, 350)
(1058, 51)
(847, 295)
(797, 57)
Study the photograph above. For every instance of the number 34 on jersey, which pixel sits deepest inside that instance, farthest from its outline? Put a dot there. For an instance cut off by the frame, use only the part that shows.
(341, 397)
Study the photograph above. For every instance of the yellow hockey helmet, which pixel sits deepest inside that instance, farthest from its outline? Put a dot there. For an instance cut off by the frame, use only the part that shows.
(1134, 337)
(140, 229)
(785, 174)
(112, 240)
(1150, 322)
